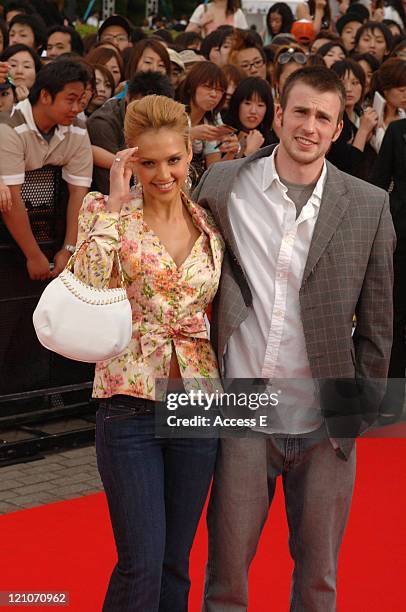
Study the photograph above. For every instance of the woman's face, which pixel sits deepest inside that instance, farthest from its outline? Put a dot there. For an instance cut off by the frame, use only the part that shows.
(334, 55)
(252, 112)
(23, 34)
(207, 97)
(396, 97)
(103, 89)
(22, 69)
(150, 62)
(353, 89)
(275, 23)
(6, 100)
(163, 164)
(114, 68)
(368, 73)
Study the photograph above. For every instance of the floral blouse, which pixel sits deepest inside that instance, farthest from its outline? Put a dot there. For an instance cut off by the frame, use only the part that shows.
(168, 302)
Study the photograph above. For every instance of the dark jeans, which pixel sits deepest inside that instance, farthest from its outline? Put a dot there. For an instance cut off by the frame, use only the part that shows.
(156, 490)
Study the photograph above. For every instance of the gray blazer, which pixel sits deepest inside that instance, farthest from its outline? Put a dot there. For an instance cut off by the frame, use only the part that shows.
(348, 270)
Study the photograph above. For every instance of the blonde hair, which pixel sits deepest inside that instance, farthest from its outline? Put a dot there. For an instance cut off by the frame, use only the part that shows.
(153, 113)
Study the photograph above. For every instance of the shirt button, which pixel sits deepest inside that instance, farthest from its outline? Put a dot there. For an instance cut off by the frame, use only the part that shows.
(278, 314)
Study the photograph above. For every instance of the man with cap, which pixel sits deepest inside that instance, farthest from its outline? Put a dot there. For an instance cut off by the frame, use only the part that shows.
(117, 30)
(347, 27)
(189, 58)
(177, 68)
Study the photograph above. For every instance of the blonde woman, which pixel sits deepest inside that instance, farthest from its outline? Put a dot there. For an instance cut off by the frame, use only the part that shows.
(171, 253)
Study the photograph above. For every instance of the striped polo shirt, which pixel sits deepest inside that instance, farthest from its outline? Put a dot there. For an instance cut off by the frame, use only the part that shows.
(22, 147)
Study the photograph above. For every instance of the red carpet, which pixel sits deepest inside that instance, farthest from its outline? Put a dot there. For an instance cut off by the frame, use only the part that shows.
(68, 546)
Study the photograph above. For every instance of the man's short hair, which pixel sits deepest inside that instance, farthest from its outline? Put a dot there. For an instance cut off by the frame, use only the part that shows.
(75, 38)
(147, 83)
(370, 26)
(319, 78)
(54, 76)
(22, 6)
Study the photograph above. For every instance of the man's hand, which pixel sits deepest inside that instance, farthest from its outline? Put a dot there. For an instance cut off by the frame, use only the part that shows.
(6, 201)
(38, 267)
(60, 261)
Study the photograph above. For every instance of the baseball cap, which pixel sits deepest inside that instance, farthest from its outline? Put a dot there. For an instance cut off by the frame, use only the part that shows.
(347, 18)
(188, 56)
(176, 58)
(116, 20)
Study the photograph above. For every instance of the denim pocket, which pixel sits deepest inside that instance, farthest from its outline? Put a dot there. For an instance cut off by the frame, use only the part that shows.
(122, 425)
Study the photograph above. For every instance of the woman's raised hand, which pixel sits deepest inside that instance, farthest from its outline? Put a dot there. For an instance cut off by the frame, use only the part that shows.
(255, 140)
(121, 172)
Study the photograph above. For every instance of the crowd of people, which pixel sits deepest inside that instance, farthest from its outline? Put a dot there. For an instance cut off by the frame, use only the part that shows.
(142, 118)
(207, 67)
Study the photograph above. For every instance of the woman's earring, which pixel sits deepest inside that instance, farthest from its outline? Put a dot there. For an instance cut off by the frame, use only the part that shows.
(136, 188)
(188, 180)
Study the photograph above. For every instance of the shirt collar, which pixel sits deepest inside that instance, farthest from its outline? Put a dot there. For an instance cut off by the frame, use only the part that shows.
(270, 175)
(26, 109)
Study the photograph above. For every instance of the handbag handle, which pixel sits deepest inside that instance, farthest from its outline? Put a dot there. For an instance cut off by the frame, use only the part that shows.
(71, 262)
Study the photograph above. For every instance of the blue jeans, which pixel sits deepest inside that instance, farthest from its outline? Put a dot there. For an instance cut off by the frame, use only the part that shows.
(156, 490)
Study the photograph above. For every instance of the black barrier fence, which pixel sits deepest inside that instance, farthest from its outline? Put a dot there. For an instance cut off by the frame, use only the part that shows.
(29, 372)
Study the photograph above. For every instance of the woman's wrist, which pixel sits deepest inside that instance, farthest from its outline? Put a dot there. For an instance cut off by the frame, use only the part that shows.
(114, 203)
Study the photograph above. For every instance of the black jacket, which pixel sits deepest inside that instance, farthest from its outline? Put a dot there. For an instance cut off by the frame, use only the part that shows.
(390, 174)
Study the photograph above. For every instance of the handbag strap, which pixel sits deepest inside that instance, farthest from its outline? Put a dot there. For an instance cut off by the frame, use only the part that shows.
(71, 262)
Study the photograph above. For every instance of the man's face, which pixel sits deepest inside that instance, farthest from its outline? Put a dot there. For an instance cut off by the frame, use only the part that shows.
(348, 34)
(373, 42)
(22, 34)
(251, 62)
(66, 104)
(116, 35)
(309, 123)
(58, 43)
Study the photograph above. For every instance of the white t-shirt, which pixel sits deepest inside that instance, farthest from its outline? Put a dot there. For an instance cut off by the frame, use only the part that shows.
(237, 20)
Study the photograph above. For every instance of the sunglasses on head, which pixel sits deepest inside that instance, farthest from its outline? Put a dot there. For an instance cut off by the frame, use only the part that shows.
(292, 55)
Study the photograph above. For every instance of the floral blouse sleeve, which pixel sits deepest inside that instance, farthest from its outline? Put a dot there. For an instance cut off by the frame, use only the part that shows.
(94, 263)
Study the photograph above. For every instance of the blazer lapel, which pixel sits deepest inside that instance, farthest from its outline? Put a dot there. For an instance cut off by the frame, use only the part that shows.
(332, 209)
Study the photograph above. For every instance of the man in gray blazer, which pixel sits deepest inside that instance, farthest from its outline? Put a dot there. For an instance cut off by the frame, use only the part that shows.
(308, 247)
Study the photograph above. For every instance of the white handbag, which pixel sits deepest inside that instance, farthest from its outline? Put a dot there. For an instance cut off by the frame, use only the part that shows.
(81, 322)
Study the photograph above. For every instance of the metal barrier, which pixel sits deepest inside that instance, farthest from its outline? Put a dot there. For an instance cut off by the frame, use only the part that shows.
(33, 379)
